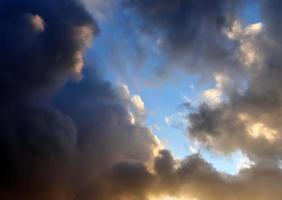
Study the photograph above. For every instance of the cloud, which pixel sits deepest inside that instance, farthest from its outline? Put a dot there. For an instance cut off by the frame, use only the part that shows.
(104, 122)
(246, 36)
(190, 34)
(212, 96)
(249, 119)
(244, 163)
(64, 139)
(37, 22)
(138, 103)
(194, 178)
(35, 37)
(58, 143)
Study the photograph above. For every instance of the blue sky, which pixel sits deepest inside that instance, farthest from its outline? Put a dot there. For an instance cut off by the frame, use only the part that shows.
(158, 100)
(123, 62)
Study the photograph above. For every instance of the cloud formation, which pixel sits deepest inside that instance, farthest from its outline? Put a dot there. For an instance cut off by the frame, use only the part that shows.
(59, 148)
(76, 140)
(190, 33)
(250, 119)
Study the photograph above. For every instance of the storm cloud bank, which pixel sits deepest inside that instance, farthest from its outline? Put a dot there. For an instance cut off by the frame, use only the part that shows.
(67, 135)
(58, 151)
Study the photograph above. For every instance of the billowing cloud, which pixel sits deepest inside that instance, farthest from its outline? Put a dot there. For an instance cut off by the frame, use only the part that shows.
(59, 147)
(41, 49)
(250, 117)
(194, 178)
(63, 140)
(190, 33)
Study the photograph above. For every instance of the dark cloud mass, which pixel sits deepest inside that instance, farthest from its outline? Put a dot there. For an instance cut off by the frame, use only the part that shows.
(251, 119)
(42, 43)
(76, 140)
(46, 152)
(190, 33)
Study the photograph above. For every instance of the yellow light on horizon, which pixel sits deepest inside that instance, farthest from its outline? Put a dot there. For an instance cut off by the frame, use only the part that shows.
(170, 198)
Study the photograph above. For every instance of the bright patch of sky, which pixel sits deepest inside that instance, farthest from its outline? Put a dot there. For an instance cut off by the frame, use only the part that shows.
(130, 65)
(251, 13)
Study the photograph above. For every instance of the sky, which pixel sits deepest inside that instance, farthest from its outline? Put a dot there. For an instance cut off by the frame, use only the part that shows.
(162, 98)
(140, 99)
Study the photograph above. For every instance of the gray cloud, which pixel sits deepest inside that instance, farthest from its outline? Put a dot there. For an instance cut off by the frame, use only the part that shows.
(81, 144)
(190, 34)
(58, 148)
(250, 119)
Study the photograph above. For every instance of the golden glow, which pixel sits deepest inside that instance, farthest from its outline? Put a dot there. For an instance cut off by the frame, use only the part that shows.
(170, 198)
(243, 117)
(79, 62)
(212, 96)
(260, 130)
(38, 23)
(85, 35)
(138, 103)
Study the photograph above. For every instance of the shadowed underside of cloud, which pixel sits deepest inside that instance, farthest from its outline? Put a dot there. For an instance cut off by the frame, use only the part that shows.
(251, 119)
(82, 143)
(61, 151)
(190, 33)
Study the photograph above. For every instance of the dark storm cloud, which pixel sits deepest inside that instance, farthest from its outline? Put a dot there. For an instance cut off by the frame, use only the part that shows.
(81, 144)
(103, 122)
(193, 177)
(251, 119)
(46, 152)
(41, 47)
(132, 179)
(190, 33)
(41, 43)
